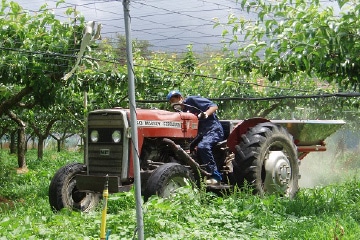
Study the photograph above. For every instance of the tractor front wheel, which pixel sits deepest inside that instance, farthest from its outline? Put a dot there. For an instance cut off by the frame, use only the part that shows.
(266, 158)
(64, 194)
(166, 179)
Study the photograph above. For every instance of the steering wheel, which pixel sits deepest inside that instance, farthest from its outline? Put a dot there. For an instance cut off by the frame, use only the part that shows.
(178, 107)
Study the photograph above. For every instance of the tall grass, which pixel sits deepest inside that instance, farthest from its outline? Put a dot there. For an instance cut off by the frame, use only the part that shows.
(328, 212)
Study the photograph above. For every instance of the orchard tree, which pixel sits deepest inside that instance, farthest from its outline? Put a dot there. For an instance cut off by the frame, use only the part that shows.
(41, 122)
(70, 111)
(64, 118)
(63, 129)
(8, 129)
(106, 83)
(21, 139)
(5, 126)
(37, 51)
(299, 36)
(119, 47)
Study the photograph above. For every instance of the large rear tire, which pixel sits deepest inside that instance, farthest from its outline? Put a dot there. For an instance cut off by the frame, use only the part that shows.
(266, 158)
(64, 194)
(166, 179)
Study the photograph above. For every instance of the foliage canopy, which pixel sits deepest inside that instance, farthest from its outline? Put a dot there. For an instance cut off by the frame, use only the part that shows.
(37, 50)
(299, 36)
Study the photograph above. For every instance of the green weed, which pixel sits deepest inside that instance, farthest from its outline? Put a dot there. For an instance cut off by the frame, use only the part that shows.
(330, 212)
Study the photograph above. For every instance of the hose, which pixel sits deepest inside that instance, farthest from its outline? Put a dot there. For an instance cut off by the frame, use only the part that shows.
(104, 236)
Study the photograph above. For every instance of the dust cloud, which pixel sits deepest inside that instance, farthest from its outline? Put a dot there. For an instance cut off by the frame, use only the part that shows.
(336, 165)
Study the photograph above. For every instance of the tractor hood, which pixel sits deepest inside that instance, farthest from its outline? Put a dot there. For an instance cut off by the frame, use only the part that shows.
(159, 123)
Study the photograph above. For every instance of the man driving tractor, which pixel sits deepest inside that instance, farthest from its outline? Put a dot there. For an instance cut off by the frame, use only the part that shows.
(210, 130)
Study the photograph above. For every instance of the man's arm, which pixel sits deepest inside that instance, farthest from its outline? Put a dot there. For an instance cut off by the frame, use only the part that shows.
(211, 110)
(207, 113)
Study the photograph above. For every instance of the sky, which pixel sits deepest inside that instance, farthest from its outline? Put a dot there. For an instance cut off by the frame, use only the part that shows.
(167, 24)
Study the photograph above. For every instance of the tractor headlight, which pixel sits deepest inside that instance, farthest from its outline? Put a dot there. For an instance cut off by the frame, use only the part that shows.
(94, 136)
(116, 136)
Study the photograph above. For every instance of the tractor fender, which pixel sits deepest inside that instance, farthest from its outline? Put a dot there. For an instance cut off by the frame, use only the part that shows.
(240, 129)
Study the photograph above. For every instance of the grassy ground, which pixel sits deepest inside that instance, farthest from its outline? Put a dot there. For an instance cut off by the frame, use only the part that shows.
(327, 212)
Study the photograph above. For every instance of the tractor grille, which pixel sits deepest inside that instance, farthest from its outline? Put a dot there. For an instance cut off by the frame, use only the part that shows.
(105, 156)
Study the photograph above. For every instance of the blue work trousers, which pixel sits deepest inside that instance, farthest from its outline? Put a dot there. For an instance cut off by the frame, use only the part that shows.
(204, 150)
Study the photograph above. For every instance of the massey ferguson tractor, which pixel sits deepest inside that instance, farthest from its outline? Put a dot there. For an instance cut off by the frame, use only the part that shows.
(264, 154)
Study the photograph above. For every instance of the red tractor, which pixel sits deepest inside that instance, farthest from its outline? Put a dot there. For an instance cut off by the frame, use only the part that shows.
(264, 153)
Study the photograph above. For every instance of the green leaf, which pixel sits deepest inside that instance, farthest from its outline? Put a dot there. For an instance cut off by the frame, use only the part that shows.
(224, 32)
(59, 2)
(306, 63)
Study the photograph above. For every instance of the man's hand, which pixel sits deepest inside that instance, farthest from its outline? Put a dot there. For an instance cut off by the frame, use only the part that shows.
(202, 115)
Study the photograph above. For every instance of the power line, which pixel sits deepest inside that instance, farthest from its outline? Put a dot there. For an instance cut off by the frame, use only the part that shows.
(338, 95)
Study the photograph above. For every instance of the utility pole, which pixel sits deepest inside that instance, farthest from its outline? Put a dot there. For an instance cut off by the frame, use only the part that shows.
(134, 131)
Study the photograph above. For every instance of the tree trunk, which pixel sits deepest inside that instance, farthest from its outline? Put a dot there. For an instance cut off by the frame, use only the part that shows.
(21, 141)
(42, 136)
(13, 142)
(41, 147)
(63, 146)
(21, 147)
(33, 143)
(58, 141)
(27, 143)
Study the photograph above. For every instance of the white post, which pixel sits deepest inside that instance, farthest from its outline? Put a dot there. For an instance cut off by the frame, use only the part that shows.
(134, 132)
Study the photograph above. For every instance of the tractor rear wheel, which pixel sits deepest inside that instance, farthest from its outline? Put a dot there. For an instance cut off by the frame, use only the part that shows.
(266, 158)
(166, 179)
(64, 194)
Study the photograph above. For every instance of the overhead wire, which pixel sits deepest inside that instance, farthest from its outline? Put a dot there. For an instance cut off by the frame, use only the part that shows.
(312, 96)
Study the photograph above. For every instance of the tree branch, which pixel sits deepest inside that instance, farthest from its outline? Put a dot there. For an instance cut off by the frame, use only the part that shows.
(15, 118)
(6, 105)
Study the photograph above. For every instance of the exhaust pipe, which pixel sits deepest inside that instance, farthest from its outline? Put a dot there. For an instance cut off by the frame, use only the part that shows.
(181, 154)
